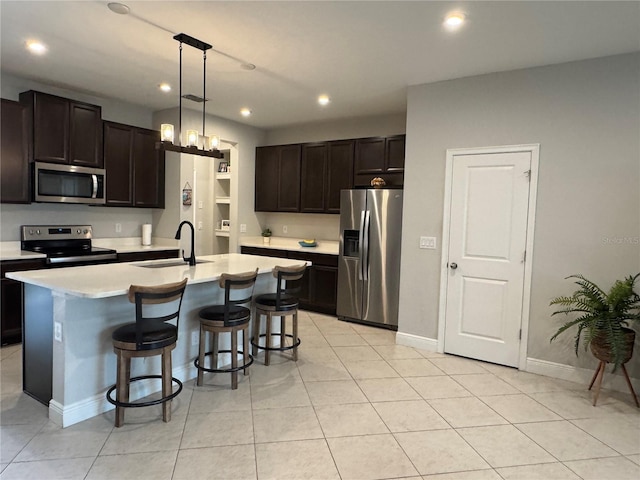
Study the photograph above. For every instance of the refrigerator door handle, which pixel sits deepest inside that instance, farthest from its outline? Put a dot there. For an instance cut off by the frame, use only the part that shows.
(365, 252)
(360, 243)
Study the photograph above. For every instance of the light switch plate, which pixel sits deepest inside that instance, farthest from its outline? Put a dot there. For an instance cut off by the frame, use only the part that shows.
(57, 331)
(243, 228)
(428, 242)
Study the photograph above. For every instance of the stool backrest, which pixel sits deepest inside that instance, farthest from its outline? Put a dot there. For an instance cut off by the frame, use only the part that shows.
(237, 281)
(284, 276)
(156, 295)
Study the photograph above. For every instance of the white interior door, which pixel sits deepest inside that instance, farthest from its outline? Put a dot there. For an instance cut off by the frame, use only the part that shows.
(486, 255)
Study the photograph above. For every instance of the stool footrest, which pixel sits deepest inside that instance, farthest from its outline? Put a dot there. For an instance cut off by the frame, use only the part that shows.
(244, 366)
(148, 403)
(279, 349)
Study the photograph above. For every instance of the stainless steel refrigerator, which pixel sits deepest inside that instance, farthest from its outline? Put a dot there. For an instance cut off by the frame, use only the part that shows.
(369, 261)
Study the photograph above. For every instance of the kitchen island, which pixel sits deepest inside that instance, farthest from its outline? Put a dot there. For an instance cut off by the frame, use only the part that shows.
(68, 360)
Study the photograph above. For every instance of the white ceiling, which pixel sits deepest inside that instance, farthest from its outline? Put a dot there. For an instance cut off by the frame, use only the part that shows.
(362, 54)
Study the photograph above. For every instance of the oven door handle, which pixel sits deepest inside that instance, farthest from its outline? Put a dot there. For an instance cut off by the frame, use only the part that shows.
(83, 258)
(94, 177)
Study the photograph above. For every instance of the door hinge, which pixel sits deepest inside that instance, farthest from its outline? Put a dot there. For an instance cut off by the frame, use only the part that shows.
(524, 256)
(528, 174)
(520, 335)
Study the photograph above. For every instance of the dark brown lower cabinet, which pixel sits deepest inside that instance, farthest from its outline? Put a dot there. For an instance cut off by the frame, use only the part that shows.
(11, 299)
(319, 286)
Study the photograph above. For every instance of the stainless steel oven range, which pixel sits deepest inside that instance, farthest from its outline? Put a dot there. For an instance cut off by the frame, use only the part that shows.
(64, 245)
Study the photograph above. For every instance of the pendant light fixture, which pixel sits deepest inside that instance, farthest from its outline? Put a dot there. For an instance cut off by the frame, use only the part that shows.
(209, 148)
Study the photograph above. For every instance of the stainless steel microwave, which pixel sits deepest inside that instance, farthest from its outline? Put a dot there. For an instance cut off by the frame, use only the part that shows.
(58, 183)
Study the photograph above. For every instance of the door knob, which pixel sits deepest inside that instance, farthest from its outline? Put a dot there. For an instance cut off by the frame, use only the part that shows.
(453, 265)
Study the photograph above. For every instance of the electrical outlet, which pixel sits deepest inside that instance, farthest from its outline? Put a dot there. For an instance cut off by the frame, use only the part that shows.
(284, 229)
(428, 242)
(118, 228)
(200, 204)
(194, 338)
(57, 331)
(199, 225)
(243, 228)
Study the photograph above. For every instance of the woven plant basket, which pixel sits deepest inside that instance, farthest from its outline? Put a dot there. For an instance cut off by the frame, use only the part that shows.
(600, 346)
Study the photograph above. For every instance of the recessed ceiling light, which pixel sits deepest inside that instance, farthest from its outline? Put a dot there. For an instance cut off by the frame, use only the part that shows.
(454, 19)
(245, 112)
(165, 87)
(119, 8)
(247, 66)
(36, 47)
(323, 100)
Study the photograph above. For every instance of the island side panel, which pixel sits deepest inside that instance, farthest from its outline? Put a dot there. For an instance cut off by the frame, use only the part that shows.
(37, 343)
(84, 365)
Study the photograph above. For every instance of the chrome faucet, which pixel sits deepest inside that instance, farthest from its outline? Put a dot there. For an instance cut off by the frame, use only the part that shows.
(192, 258)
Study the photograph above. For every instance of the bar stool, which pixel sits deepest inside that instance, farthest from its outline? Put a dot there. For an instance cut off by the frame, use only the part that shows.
(148, 336)
(228, 318)
(280, 304)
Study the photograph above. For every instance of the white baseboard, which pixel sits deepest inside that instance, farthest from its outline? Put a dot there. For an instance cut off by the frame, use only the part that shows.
(610, 381)
(416, 341)
(67, 415)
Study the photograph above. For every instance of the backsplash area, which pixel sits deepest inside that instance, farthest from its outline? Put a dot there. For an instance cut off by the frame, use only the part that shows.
(301, 225)
(103, 219)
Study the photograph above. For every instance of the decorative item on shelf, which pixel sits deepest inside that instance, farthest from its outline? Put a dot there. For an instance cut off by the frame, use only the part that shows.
(225, 225)
(603, 323)
(223, 167)
(186, 194)
(266, 236)
(308, 242)
(378, 182)
(167, 135)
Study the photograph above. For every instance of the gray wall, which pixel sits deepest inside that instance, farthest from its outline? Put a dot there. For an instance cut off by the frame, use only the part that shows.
(586, 117)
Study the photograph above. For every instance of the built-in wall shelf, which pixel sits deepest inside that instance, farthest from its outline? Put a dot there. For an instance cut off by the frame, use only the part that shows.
(222, 233)
(223, 176)
(226, 200)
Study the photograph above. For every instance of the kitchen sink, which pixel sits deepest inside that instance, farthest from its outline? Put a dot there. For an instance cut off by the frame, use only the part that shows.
(170, 263)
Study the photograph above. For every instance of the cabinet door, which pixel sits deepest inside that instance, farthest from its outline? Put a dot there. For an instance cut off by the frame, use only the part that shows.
(266, 179)
(50, 128)
(313, 183)
(118, 142)
(395, 154)
(339, 173)
(10, 311)
(85, 135)
(324, 288)
(289, 178)
(14, 164)
(370, 155)
(148, 169)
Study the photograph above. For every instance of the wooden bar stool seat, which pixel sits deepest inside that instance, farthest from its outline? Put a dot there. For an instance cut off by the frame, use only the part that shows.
(279, 304)
(149, 336)
(230, 318)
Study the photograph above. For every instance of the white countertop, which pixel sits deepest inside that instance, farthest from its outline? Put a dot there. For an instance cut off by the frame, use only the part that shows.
(327, 247)
(11, 250)
(109, 280)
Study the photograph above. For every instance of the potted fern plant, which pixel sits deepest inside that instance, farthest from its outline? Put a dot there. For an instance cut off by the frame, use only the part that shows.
(266, 236)
(603, 319)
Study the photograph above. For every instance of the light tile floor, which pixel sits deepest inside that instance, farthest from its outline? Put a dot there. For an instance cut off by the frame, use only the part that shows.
(354, 406)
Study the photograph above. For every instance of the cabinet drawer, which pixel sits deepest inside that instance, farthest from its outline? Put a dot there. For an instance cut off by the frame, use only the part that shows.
(141, 256)
(20, 265)
(315, 258)
(265, 252)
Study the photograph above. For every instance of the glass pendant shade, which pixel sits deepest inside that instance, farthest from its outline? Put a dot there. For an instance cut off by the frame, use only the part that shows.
(192, 138)
(214, 142)
(166, 132)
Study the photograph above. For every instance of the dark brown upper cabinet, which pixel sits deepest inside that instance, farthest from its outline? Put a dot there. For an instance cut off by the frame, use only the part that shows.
(327, 168)
(379, 157)
(135, 169)
(63, 130)
(313, 182)
(14, 164)
(277, 181)
(339, 172)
